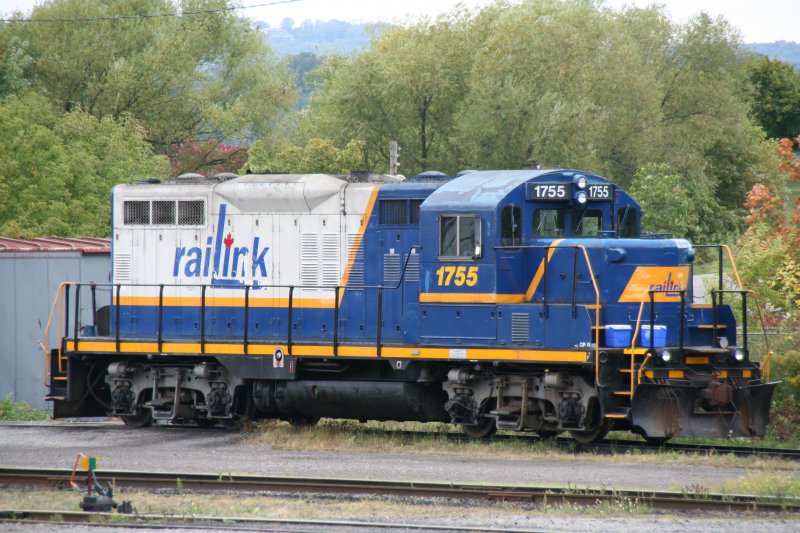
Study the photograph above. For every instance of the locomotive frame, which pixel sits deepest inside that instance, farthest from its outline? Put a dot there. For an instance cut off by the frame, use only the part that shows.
(520, 300)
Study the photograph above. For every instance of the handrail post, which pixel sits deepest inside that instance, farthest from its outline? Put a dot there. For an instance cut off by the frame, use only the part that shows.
(203, 319)
(652, 320)
(77, 321)
(291, 326)
(160, 332)
(94, 307)
(246, 316)
(336, 321)
(721, 272)
(682, 324)
(66, 309)
(744, 323)
(380, 319)
(714, 317)
(117, 318)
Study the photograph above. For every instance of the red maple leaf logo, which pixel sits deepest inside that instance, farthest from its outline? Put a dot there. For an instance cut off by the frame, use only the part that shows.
(228, 241)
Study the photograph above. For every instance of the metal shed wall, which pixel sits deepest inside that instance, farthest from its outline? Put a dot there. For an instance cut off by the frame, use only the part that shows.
(28, 284)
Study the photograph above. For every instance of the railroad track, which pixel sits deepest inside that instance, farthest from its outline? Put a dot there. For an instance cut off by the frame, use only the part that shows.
(609, 446)
(685, 501)
(227, 523)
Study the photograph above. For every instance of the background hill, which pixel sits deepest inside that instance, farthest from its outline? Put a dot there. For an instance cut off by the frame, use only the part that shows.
(787, 51)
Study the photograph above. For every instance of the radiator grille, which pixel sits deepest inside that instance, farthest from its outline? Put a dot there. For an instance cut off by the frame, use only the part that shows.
(412, 269)
(122, 268)
(520, 327)
(391, 269)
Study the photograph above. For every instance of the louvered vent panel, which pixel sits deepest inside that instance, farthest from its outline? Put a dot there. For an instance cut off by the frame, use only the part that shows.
(309, 259)
(122, 268)
(356, 277)
(412, 269)
(391, 269)
(520, 327)
(330, 259)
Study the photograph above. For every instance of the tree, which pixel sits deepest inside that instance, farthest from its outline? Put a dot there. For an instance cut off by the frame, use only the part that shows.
(199, 77)
(556, 83)
(58, 168)
(776, 97)
(318, 155)
(405, 87)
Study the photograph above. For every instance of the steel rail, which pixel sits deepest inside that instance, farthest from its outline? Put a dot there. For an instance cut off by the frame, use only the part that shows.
(228, 523)
(609, 446)
(683, 501)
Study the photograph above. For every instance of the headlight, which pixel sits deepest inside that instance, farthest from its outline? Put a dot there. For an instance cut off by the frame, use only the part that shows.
(738, 354)
(580, 181)
(666, 356)
(723, 342)
(580, 198)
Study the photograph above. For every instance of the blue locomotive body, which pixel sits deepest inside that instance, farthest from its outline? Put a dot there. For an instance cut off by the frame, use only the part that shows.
(525, 300)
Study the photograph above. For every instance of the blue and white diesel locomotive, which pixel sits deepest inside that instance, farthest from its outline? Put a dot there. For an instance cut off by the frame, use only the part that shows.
(518, 300)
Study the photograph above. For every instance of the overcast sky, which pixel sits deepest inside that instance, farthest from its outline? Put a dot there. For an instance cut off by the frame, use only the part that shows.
(758, 20)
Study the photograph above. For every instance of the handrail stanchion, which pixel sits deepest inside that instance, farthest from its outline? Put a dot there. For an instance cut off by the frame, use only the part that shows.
(66, 308)
(77, 322)
(94, 307)
(246, 317)
(714, 317)
(290, 325)
(652, 320)
(744, 323)
(682, 324)
(721, 272)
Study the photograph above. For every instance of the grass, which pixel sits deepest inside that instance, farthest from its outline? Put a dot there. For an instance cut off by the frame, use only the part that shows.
(766, 482)
(21, 411)
(378, 437)
(314, 506)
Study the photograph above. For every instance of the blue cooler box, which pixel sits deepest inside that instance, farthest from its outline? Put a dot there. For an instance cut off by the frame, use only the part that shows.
(618, 335)
(659, 336)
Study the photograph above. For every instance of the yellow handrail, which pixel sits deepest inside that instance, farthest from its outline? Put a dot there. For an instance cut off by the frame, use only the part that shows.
(634, 337)
(596, 315)
(44, 343)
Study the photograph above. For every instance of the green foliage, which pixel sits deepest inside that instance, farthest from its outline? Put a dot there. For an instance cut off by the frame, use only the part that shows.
(13, 62)
(776, 97)
(21, 411)
(512, 86)
(58, 168)
(318, 155)
(200, 77)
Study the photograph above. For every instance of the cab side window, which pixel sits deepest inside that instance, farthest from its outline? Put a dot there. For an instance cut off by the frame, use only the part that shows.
(549, 223)
(626, 222)
(511, 226)
(588, 223)
(459, 236)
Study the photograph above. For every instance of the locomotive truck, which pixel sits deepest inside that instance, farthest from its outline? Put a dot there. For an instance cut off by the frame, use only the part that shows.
(525, 300)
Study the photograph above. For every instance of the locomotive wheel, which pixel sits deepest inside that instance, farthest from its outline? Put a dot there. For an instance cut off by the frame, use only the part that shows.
(593, 435)
(142, 419)
(485, 428)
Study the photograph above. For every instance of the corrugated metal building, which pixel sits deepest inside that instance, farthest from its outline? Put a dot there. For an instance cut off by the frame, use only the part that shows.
(30, 273)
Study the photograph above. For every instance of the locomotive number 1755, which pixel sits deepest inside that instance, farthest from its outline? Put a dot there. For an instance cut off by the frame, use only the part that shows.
(457, 275)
